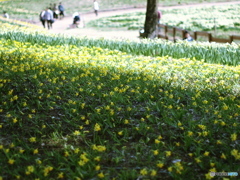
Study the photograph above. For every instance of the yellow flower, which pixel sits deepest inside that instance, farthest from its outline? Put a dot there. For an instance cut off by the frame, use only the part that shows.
(197, 160)
(157, 141)
(160, 165)
(97, 168)
(32, 139)
(66, 154)
(38, 161)
(190, 133)
(205, 133)
(143, 172)
(219, 142)
(47, 170)
(203, 127)
(155, 152)
(60, 175)
(81, 163)
(234, 137)
(76, 133)
(11, 161)
(168, 153)
(101, 175)
(29, 170)
(235, 153)
(76, 150)
(98, 158)
(153, 173)
(35, 151)
(205, 102)
(223, 156)
(225, 107)
(126, 121)
(15, 120)
(97, 127)
(206, 153)
(99, 148)
(223, 123)
(212, 164)
(208, 176)
(120, 133)
(6, 150)
(177, 143)
(213, 170)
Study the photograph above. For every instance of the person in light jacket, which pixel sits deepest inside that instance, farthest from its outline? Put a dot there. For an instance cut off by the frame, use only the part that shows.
(95, 7)
(47, 16)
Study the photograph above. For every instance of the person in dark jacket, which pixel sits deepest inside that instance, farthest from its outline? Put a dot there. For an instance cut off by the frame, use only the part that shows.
(61, 10)
(41, 17)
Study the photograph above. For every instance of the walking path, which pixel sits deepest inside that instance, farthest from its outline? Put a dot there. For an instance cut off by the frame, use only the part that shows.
(62, 26)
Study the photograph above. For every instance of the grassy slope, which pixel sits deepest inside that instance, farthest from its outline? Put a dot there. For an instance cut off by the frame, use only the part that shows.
(81, 111)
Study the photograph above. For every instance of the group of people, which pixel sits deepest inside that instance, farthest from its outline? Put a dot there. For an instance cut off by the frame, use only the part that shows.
(51, 13)
(54, 11)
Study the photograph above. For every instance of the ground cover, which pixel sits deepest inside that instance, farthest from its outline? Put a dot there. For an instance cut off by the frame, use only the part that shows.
(207, 52)
(71, 110)
(221, 20)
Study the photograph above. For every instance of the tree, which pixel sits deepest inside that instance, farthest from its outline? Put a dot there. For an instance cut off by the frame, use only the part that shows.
(150, 26)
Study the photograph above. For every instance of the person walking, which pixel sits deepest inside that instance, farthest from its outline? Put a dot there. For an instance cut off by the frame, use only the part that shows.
(95, 7)
(41, 18)
(48, 17)
(61, 10)
(55, 11)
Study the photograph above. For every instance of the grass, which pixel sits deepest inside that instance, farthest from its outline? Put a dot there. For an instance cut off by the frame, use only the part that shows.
(211, 53)
(71, 110)
(30, 9)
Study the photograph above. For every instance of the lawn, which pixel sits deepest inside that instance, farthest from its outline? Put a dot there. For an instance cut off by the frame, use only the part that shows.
(30, 9)
(220, 20)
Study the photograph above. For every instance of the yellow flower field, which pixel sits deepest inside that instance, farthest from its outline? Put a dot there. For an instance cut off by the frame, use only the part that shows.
(71, 111)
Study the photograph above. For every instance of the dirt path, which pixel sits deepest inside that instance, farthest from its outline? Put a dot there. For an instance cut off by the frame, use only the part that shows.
(62, 26)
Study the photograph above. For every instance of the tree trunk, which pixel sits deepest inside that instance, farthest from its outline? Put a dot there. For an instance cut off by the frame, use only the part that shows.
(150, 26)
